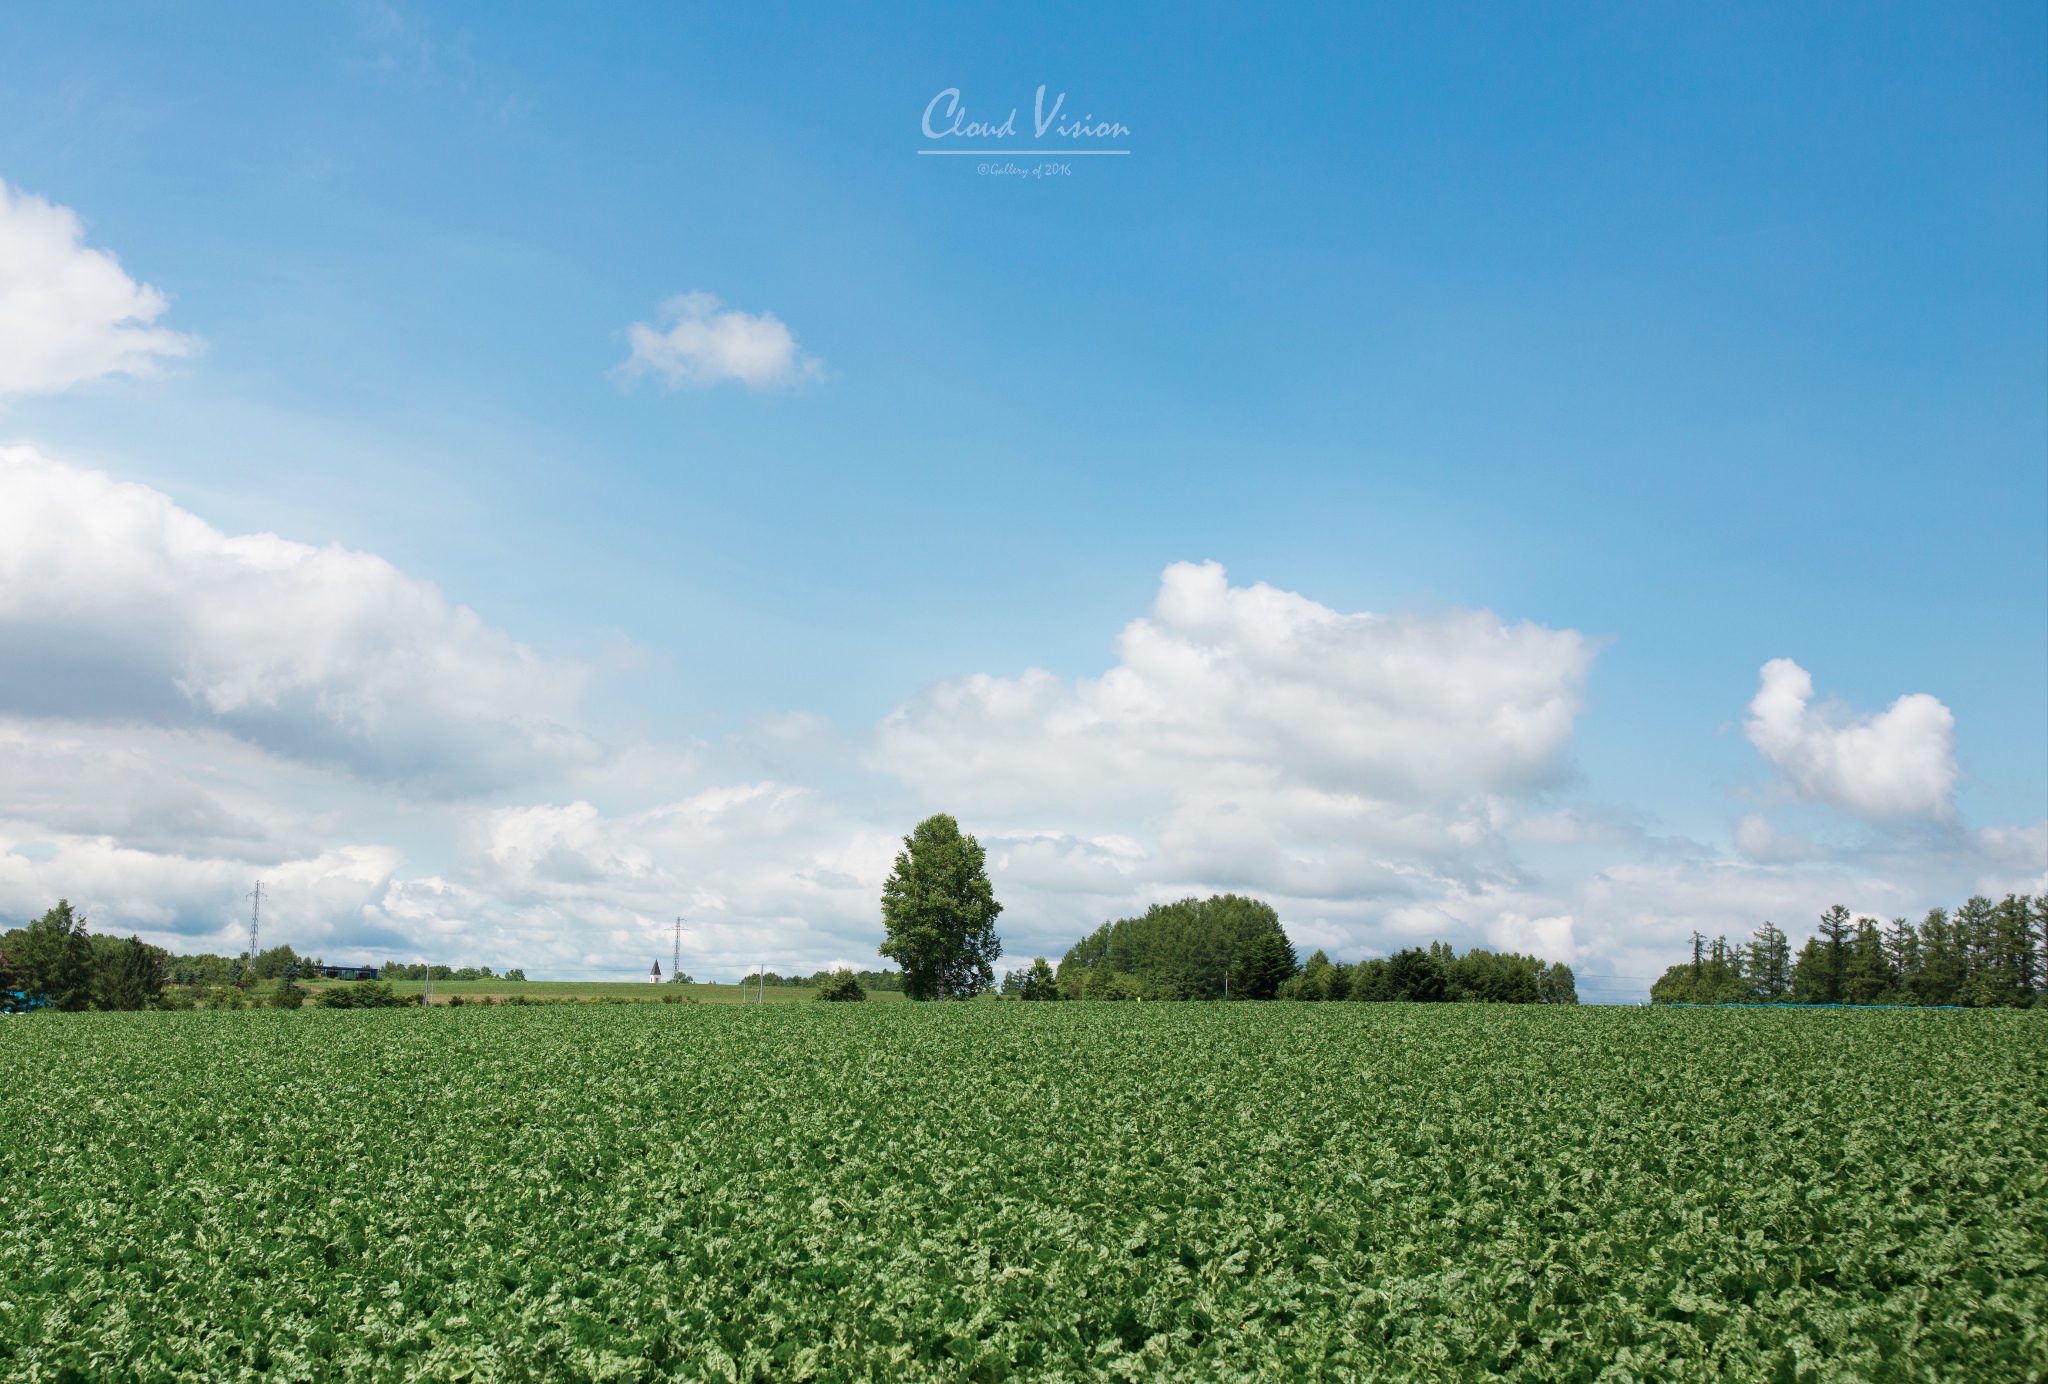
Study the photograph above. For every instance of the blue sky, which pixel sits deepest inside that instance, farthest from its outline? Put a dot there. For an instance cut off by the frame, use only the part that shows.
(1716, 338)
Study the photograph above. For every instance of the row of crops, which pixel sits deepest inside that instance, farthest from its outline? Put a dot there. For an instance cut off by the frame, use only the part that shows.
(1024, 1191)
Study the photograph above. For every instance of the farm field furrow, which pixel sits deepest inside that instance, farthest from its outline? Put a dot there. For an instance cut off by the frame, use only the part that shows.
(1036, 1191)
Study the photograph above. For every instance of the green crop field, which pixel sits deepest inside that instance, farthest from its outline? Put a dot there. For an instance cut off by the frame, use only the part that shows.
(1040, 1191)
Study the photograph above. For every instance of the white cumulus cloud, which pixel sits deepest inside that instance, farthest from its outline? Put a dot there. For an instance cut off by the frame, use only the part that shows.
(1900, 762)
(1255, 740)
(702, 345)
(69, 313)
(114, 602)
(1257, 695)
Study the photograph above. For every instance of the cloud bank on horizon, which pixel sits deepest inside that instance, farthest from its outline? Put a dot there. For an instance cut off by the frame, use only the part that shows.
(183, 710)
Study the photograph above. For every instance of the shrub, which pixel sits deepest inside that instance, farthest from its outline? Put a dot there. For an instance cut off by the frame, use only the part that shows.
(369, 994)
(842, 986)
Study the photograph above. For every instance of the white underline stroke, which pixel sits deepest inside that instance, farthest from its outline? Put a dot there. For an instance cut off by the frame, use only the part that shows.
(1030, 153)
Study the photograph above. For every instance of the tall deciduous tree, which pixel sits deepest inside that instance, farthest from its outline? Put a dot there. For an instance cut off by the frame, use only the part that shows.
(53, 958)
(1555, 984)
(940, 910)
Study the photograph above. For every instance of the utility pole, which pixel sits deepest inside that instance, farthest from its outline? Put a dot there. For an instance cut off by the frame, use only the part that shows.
(255, 913)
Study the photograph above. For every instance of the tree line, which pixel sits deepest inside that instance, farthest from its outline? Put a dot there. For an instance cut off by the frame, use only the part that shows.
(817, 980)
(1190, 950)
(1982, 954)
(1437, 974)
(1231, 947)
(939, 911)
(59, 962)
(283, 963)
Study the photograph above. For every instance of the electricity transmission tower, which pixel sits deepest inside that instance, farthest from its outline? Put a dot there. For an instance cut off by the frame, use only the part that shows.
(676, 966)
(255, 914)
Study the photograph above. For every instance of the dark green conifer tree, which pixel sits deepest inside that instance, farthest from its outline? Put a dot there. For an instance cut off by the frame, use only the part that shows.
(1837, 934)
(1263, 964)
(1415, 975)
(1902, 954)
(1867, 975)
(1770, 965)
(1943, 969)
(1975, 926)
(126, 974)
(2009, 975)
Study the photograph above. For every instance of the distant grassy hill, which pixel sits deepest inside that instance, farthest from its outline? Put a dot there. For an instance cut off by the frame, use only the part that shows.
(640, 990)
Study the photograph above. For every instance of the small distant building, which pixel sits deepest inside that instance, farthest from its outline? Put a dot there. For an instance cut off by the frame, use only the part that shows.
(348, 973)
(656, 975)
